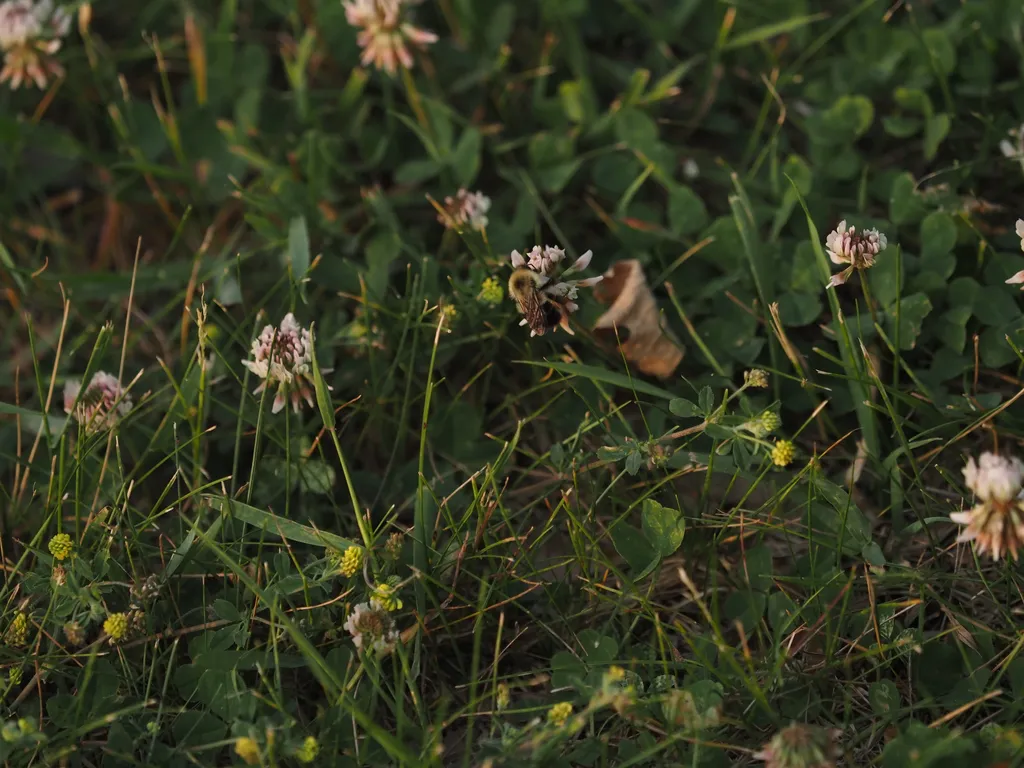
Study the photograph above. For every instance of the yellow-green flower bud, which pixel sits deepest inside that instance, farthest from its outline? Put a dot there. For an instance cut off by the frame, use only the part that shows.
(60, 546)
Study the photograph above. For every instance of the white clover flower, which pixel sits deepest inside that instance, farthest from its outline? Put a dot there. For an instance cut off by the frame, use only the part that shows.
(846, 246)
(546, 303)
(283, 358)
(30, 36)
(101, 406)
(385, 34)
(801, 746)
(544, 260)
(1013, 150)
(466, 208)
(372, 627)
(1019, 277)
(996, 522)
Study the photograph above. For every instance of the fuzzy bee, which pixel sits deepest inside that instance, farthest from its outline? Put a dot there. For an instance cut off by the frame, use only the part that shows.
(542, 312)
(545, 302)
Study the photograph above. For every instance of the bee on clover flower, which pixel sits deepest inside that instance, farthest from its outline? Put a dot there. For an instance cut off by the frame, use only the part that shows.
(544, 301)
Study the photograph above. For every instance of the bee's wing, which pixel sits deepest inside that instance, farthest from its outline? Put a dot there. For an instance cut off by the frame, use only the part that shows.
(532, 308)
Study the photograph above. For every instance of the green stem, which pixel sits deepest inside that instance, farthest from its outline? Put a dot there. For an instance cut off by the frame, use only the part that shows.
(364, 530)
(867, 297)
(708, 355)
(423, 527)
(415, 102)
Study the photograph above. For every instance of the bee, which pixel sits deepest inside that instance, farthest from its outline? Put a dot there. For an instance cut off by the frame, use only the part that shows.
(542, 312)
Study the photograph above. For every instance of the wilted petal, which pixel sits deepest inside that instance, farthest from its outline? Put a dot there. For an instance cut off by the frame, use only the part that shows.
(839, 278)
(968, 534)
(417, 36)
(404, 56)
(1016, 279)
(71, 390)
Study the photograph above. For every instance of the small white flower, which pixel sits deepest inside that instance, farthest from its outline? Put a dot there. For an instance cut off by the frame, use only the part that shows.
(544, 260)
(846, 246)
(994, 477)
(690, 169)
(466, 208)
(1019, 277)
(1013, 150)
(30, 36)
(996, 522)
(385, 34)
(103, 403)
(371, 627)
(801, 746)
(283, 357)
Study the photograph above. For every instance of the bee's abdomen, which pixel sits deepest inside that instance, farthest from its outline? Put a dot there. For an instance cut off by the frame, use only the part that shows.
(551, 314)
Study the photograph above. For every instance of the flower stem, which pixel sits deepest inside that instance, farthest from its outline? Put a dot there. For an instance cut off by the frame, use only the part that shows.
(364, 530)
(867, 297)
(415, 102)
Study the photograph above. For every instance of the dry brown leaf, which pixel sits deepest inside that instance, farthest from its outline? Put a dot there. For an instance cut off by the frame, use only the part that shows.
(633, 314)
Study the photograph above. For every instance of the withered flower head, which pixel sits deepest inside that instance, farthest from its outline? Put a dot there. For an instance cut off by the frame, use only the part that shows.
(466, 208)
(30, 36)
(996, 522)
(372, 627)
(801, 746)
(283, 358)
(101, 406)
(385, 34)
(858, 249)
